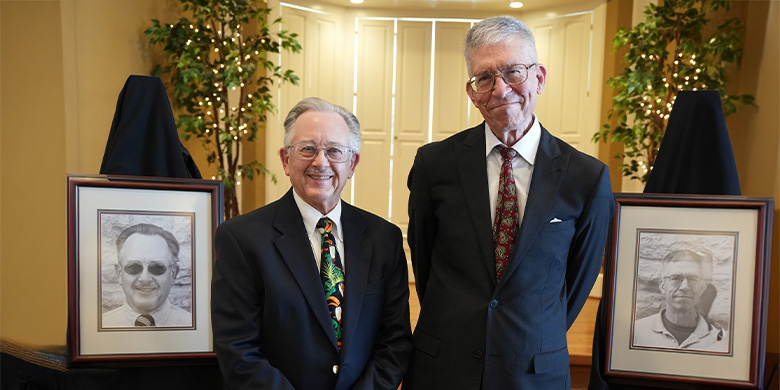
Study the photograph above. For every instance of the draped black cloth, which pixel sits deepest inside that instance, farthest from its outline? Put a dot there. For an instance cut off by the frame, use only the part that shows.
(143, 140)
(695, 157)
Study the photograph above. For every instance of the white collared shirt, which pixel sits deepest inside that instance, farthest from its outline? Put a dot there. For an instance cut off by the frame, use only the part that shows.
(166, 315)
(310, 218)
(522, 165)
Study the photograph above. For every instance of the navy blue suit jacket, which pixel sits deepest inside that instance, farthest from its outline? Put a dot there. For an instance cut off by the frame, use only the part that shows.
(271, 325)
(477, 333)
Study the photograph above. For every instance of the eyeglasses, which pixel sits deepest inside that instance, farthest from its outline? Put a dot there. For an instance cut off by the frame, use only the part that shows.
(676, 280)
(155, 268)
(512, 75)
(307, 151)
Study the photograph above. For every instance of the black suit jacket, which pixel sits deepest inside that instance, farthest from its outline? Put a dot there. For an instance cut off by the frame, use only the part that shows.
(271, 325)
(477, 333)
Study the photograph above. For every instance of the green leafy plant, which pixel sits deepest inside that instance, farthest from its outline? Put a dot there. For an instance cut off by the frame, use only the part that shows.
(667, 53)
(218, 73)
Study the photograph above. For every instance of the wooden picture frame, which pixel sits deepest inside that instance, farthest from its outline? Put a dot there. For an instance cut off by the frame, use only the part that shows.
(687, 290)
(154, 304)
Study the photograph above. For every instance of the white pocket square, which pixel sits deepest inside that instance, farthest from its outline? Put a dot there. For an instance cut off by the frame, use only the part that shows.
(555, 220)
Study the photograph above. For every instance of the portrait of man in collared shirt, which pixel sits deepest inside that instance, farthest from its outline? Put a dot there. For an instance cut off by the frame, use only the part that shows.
(683, 293)
(146, 271)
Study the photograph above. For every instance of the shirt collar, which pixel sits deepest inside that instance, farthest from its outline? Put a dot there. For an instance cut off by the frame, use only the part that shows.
(164, 308)
(311, 215)
(526, 147)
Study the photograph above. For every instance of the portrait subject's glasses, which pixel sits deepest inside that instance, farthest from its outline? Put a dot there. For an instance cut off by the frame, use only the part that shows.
(512, 75)
(307, 151)
(155, 268)
(676, 280)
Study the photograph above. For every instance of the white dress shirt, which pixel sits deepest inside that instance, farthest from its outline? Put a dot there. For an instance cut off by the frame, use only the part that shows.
(522, 165)
(310, 218)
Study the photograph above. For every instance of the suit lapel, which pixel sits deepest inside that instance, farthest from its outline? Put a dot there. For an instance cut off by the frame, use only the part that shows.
(549, 169)
(296, 253)
(358, 250)
(472, 166)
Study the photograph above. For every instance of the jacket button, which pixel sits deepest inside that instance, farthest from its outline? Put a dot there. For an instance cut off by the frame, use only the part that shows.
(335, 368)
(494, 303)
(478, 354)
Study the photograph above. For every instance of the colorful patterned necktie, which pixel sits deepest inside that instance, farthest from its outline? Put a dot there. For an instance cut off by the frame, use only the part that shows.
(332, 274)
(507, 213)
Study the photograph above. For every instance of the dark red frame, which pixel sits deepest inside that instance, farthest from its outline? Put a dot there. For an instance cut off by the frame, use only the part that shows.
(214, 187)
(765, 209)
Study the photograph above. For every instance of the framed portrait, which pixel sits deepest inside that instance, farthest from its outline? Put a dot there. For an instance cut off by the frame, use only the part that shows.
(687, 289)
(139, 268)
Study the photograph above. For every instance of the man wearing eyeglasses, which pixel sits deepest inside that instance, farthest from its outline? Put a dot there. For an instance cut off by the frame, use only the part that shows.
(148, 257)
(507, 226)
(309, 292)
(679, 324)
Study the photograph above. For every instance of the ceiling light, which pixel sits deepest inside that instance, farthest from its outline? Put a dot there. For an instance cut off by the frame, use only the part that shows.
(515, 4)
(356, 1)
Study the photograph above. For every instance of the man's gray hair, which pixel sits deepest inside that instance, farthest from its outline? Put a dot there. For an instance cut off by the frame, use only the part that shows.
(498, 29)
(149, 230)
(322, 105)
(703, 258)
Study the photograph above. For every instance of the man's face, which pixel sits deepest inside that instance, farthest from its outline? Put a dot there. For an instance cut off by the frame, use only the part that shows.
(506, 108)
(683, 284)
(319, 182)
(146, 271)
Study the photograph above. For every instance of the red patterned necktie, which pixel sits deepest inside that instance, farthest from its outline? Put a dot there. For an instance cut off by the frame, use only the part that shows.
(332, 274)
(507, 213)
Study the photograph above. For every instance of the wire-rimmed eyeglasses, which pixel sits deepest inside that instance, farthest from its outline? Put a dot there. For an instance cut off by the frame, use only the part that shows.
(307, 151)
(677, 279)
(512, 75)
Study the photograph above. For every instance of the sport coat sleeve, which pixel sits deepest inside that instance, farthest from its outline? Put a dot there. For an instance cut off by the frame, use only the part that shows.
(393, 341)
(421, 232)
(236, 300)
(587, 247)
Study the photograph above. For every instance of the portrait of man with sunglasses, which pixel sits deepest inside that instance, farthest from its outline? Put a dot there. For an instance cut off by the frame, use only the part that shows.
(148, 257)
(680, 323)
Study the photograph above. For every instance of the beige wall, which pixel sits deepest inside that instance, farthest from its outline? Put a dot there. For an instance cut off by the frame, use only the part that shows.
(755, 131)
(33, 291)
(62, 65)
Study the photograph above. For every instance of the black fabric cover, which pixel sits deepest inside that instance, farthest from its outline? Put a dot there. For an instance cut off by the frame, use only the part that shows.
(695, 155)
(143, 140)
(695, 158)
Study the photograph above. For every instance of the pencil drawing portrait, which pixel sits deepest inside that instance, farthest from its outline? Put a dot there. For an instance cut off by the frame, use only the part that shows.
(684, 290)
(146, 270)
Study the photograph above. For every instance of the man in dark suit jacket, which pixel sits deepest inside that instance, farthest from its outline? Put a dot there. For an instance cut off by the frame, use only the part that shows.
(272, 326)
(502, 325)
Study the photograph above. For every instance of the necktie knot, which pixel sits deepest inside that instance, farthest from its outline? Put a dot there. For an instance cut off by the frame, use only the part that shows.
(507, 153)
(144, 320)
(324, 225)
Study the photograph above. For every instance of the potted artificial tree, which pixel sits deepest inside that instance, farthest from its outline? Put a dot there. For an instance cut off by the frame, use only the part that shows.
(681, 45)
(218, 72)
